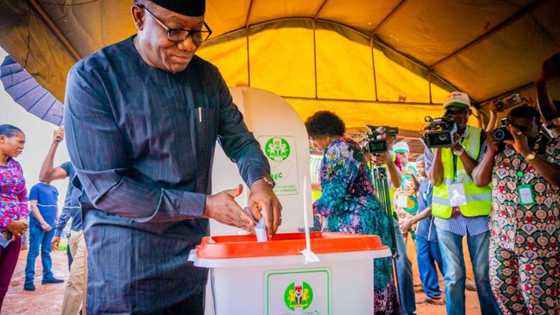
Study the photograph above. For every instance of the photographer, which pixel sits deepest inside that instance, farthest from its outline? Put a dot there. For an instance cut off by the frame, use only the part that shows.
(525, 229)
(404, 266)
(461, 209)
(385, 159)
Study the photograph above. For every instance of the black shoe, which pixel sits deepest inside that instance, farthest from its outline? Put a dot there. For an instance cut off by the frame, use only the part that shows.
(434, 300)
(52, 280)
(29, 287)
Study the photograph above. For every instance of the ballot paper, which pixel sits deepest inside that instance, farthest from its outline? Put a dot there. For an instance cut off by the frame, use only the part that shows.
(260, 231)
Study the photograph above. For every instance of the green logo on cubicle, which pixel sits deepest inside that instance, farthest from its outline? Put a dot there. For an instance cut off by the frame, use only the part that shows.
(277, 149)
(298, 296)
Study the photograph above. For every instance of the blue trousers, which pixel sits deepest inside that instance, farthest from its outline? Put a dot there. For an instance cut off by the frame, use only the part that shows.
(404, 272)
(39, 241)
(427, 256)
(451, 246)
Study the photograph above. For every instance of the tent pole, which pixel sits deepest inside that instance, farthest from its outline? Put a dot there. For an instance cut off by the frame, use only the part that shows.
(388, 16)
(247, 19)
(315, 56)
(54, 28)
(373, 69)
(248, 16)
(316, 15)
(327, 99)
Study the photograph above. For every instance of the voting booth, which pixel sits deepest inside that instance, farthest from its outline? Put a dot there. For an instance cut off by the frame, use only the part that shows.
(283, 139)
(275, 277)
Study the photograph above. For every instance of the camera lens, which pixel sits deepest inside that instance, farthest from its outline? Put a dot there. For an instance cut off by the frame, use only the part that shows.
(499, 134)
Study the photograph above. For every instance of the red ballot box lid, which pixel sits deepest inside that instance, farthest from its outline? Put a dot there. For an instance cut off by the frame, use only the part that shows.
(285, 244)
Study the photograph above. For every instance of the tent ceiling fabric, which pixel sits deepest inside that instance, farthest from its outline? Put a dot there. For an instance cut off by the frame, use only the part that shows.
(25, 36)
(475, 45)
(431, 29)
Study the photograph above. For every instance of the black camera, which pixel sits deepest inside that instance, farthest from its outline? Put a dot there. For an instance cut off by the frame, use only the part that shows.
(509, 101)
(439, 132)
(502, 133)
(376, 141)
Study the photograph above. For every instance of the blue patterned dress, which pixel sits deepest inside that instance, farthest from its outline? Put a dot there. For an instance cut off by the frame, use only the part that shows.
(348, 204)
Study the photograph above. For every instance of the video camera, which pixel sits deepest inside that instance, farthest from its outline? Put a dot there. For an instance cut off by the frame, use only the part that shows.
(439, 132)
(502, 133)
(376, 141)
(509, 102)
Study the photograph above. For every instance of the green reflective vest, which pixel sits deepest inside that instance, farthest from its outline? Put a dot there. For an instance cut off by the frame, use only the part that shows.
(479, 199)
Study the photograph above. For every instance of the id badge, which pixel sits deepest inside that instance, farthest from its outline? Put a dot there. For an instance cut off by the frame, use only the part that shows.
(526, 194)
(457, 196)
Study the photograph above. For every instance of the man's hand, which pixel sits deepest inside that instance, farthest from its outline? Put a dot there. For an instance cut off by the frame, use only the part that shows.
(55, 242)
(492, 145)
(223, 208)
(381, 158)
(46, 227)
(263, 201)
(58, 135)
(405, 226)
(17, 227)
(495, 107)
(519, 143)
(458, 149)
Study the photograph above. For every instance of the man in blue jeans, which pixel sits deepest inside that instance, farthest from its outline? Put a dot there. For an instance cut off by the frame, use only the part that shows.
(461, 209)
(43, 203)
(427, 248)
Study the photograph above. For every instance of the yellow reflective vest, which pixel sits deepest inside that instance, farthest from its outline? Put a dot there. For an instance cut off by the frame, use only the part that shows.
(479, 199)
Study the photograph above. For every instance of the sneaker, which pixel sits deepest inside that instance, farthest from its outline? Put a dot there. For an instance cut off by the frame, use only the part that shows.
(29, 287)
(52, 280)
(437, 300)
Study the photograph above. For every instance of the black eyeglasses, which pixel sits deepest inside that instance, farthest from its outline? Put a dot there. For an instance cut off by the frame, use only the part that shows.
(455, 111)
(179, 34)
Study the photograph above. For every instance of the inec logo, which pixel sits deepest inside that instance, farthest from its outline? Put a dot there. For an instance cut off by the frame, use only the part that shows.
(298, 296)
(277, 149)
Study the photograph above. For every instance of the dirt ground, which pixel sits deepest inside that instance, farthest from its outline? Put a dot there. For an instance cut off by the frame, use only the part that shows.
(47, 299)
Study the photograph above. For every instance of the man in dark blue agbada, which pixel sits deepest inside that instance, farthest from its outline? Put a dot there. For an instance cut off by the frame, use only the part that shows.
(142, 119)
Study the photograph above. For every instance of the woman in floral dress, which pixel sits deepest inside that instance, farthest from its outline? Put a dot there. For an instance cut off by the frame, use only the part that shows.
(347, 203)
(13, 203)
(525, 221)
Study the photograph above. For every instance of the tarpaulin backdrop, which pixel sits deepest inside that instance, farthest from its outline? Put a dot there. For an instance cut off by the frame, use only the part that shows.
(373, 62)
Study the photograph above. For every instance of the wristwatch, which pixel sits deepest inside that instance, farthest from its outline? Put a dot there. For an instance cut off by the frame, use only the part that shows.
(459, 152)
(531, 156)
(268, 180)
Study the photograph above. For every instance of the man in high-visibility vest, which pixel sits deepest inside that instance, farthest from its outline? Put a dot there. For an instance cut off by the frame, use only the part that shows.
(461, 209)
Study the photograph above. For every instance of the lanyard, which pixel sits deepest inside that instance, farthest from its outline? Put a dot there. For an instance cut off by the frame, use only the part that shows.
(454, 167)
(455, 158)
